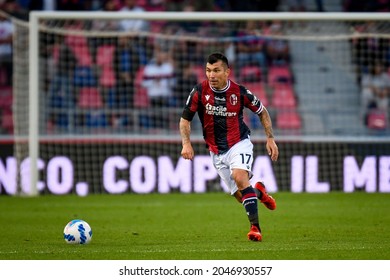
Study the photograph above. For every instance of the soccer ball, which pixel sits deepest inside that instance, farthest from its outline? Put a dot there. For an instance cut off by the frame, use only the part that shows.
(77, 232)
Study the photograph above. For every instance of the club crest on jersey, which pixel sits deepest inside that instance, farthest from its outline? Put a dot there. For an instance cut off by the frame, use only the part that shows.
(233, 99)
(207, 97)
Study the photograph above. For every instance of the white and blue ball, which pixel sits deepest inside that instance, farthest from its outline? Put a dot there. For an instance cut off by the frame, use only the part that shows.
(77, 232)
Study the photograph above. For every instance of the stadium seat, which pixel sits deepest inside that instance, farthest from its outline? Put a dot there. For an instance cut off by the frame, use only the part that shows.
(3, 76)
(377, 120)
(6, 97)
(55, 53)
(79, 46)
(7, 121)
(141, 98)
(105, 55)
(96, 118)
(157, 26)
(142, 3)
(284, 97)
(250, 74)
(232, 75)
(139, 76)
(84, 76)
(82, 54)
(107, 77)
(90, 98)
(154, 6)
(288, 120)
(279, 75)
(259, 91)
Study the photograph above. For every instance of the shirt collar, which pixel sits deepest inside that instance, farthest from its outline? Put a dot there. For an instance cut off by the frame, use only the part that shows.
(221, 90)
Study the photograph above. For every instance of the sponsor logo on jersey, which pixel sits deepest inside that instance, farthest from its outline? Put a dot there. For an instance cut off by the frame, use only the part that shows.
(219, 111)
(220, 98)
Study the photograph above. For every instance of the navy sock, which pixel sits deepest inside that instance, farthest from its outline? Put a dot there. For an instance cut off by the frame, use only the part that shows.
(249, 201)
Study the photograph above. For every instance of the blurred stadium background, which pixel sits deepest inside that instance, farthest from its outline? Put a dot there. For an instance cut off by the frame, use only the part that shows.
(110, 90)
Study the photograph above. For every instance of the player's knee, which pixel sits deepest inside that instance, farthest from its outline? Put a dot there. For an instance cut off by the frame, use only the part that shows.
(238, 196)
(241, 177)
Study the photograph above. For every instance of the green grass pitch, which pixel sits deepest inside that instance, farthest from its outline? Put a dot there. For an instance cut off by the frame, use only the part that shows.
(212, 226)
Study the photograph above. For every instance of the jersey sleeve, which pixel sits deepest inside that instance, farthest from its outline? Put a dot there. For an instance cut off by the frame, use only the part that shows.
(191, 106)
(251, 101)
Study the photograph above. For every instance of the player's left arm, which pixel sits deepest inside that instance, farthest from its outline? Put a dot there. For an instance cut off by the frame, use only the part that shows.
(271, 146)
(255, 105)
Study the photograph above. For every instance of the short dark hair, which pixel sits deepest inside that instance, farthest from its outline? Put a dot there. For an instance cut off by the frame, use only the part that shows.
(214, 57)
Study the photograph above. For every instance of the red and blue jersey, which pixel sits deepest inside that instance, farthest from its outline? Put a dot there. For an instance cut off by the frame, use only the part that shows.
(221, 113)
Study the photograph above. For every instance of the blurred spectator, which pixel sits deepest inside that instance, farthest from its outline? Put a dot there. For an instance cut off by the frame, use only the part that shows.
(134, 48)
(354, 6)
(375, 87)
(267, 6)
(167, 43)
(159, 79)
(222, 30)
(129, 59)
(297, 5)
(61, 96)
(186, 79)
(242, 6)
(278, 50)
(380, 6)
(300, 5)
(78, 43)
(190, 27)
(368, 50)
(320, 5)
(108, 25)
(133, 24)
(12, 7)
(204, 5)
(71, 5)
(106, 72)
(190, 50)
(174, 5)
(6, 35)
(186, 50)
(366, 6)
(222, 5)
(247, 6)
(154, 5)
(42, 5)
(251, 46)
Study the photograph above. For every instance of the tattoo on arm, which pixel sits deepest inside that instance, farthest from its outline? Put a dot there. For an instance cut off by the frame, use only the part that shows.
(265, 120)
(185, 131)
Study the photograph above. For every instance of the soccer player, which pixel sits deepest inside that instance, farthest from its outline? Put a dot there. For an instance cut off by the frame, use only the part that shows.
(219, 103)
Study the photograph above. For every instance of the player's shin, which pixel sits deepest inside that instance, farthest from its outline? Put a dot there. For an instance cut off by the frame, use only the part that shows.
(249, 201)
